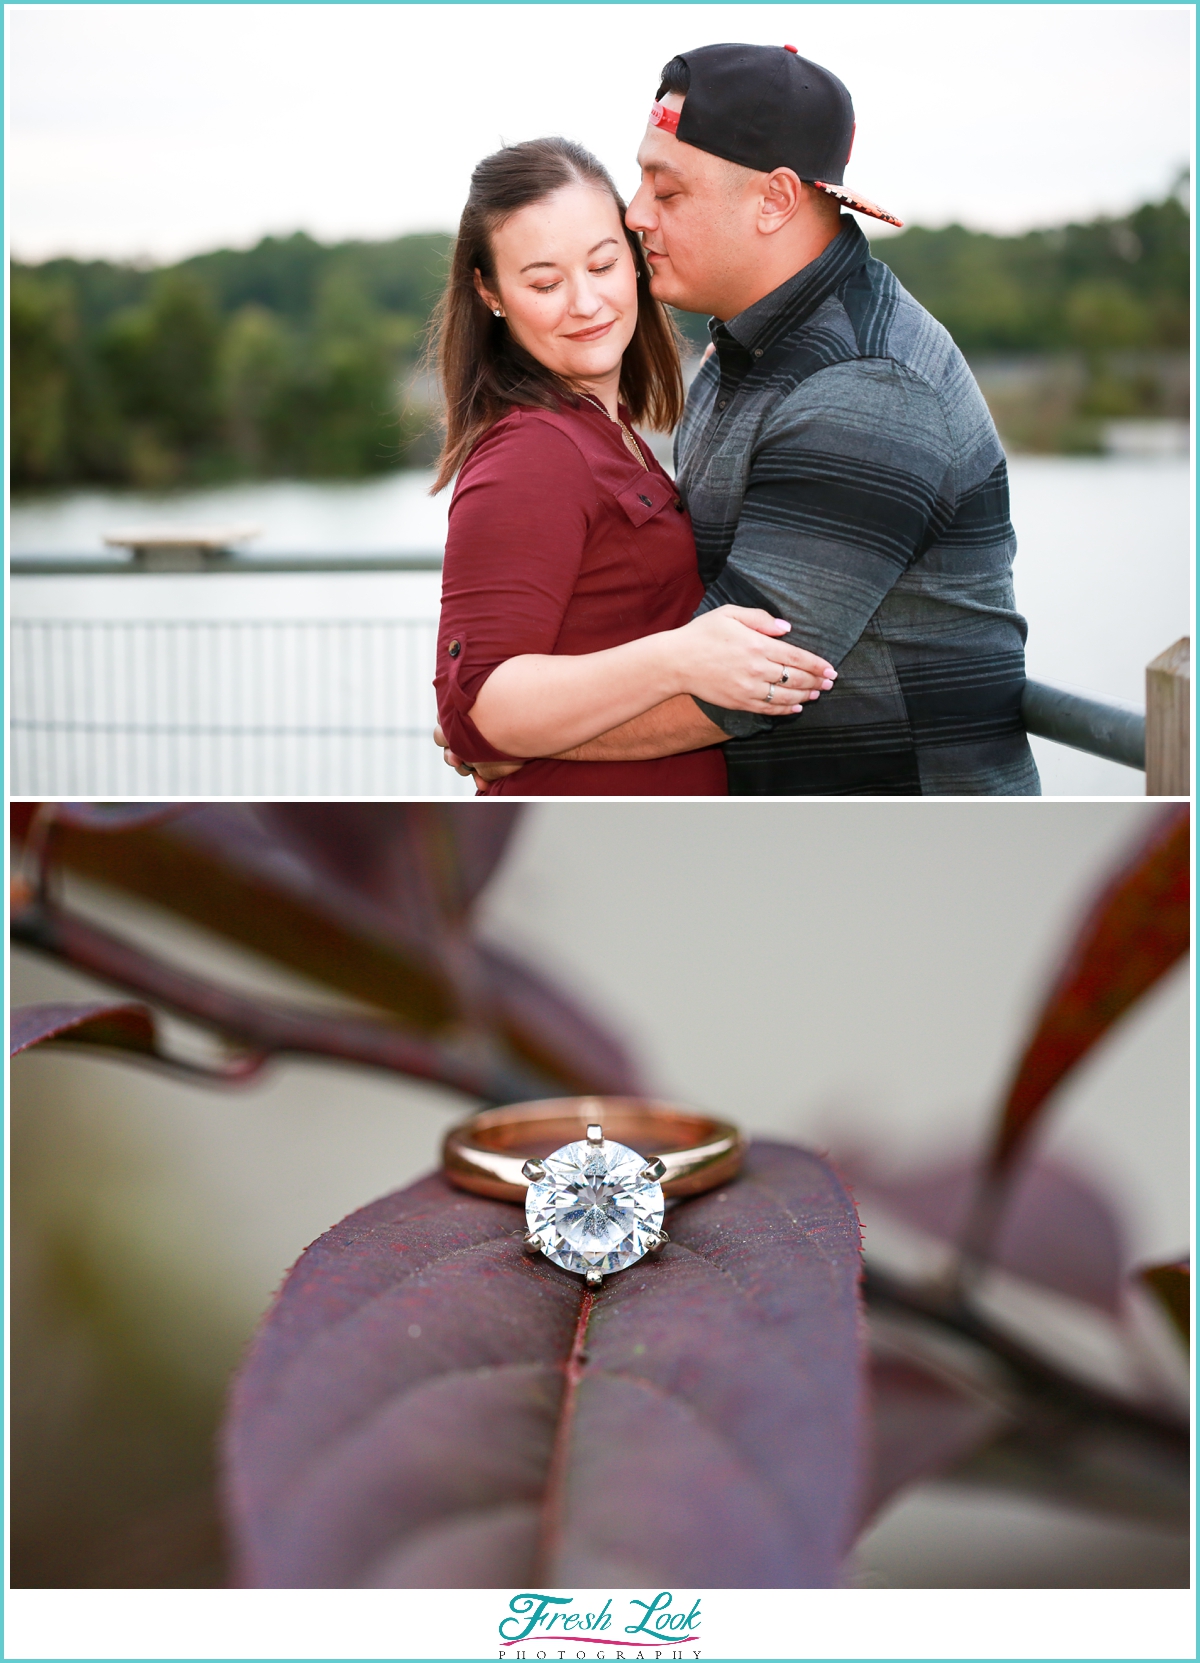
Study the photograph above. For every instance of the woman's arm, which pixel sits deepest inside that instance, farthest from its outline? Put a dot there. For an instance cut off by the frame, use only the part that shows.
(502, 691)
(539, 704)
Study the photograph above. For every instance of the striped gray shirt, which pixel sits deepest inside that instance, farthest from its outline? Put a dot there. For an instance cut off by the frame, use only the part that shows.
(842, 470)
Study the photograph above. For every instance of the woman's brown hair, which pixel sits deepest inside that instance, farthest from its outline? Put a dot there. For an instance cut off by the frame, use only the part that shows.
(483, 372)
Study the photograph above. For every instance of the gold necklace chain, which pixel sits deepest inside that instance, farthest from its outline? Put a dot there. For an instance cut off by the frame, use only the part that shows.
(631, 443)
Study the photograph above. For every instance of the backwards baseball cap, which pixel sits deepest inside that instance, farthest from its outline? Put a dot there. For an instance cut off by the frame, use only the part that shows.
(767, 107)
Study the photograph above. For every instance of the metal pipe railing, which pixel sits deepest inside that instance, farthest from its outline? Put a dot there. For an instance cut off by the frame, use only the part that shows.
(1115, 732)
(77, 565)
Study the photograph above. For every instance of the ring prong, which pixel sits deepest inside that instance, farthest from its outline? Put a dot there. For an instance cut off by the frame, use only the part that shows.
(595, 1134)
(534, 1171)
(530, 1242)
(659, 1243)
(653, 1170)
(594, 1277)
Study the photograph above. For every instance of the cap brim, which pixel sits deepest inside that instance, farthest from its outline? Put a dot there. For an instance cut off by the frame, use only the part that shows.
(859, 204)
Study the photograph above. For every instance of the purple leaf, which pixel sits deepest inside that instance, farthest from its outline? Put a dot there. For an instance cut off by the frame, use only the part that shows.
(372, 900)
(115, 817)
(1057, 1230)
(420, 1408)
(129, 1030)
(921, 1425)
(390, 852)
(546, 1027)
(369, 923)
(129, 1027)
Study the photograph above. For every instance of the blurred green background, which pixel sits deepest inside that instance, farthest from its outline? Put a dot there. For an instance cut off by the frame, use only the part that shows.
(302, 360)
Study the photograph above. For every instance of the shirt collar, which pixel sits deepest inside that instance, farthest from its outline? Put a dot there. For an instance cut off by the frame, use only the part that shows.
(798, 298)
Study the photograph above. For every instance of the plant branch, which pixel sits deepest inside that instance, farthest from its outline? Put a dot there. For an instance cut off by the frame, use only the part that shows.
(270, 1027)
(1032, 1372)
(1062, 1437)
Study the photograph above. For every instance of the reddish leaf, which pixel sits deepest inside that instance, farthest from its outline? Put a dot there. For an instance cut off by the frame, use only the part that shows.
(114, 817)
(1172, 1286)
(921, 1425)
(1057, 1230)
(128, 1027)
(559, 1037)
(410, 1414)
(225, 866)
(128, 1030)
(1136, 930)
(269, 1027)
(393, 852)
(368, 899)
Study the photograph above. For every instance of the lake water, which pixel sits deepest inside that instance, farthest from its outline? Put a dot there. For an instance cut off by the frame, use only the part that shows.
(1103, 571)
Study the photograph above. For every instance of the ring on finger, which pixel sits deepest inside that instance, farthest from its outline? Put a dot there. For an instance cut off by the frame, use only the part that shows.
(770, 691)
(783, 679)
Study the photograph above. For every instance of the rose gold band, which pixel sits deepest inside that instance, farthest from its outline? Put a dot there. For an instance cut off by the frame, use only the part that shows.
(485, 1154)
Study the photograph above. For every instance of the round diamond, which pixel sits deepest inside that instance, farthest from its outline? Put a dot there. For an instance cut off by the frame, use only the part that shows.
(593, 1210)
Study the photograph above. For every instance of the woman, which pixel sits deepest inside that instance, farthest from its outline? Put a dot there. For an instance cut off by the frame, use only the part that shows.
(570, 573)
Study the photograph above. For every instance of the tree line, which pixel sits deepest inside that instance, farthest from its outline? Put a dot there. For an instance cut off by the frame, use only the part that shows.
(289, 358)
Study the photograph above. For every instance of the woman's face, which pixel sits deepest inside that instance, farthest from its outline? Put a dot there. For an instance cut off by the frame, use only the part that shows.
(566, 281)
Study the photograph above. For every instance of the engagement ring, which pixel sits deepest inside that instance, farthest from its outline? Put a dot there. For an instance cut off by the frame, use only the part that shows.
(593, 1204)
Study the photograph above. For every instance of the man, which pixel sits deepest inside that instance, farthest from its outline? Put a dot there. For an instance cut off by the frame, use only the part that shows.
(836, 456)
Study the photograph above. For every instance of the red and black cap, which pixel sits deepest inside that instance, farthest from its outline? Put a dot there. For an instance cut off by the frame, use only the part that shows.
(767, 107)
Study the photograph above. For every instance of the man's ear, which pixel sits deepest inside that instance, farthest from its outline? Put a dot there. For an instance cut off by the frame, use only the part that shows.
(780, 201)
(490, 300)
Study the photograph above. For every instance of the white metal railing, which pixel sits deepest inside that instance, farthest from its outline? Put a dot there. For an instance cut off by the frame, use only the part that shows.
(135, 707)
(107, 703)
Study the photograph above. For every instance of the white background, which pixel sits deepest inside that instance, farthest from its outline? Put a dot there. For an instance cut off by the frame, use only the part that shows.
(760, 1623)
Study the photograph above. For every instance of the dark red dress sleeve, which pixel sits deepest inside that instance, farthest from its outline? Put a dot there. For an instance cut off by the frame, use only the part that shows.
(519, 520)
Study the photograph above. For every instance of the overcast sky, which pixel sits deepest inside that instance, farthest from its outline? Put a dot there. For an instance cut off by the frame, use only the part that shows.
(158, 131)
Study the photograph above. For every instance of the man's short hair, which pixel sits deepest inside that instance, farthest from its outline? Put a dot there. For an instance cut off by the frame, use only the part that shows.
(675, 77)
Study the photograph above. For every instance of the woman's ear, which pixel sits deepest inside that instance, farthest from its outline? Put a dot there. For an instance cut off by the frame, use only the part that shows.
(491, 301)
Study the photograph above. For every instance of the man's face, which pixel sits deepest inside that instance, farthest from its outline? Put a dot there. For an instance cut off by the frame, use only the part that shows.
(696, 215)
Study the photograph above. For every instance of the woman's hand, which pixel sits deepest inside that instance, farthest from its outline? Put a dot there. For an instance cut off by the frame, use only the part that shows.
(733, 657)
(542, 704)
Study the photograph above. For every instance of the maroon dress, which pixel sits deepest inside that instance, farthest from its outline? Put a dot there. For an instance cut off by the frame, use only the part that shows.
(560, 542)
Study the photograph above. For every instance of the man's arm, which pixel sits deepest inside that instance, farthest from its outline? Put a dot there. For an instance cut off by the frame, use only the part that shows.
(666, 730)
(852, 473)
(669, 728)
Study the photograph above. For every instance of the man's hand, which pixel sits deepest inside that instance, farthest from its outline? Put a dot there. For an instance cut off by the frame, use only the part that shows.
(481, 772)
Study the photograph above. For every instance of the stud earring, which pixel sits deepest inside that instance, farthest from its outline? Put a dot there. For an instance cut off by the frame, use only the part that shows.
(496, 312)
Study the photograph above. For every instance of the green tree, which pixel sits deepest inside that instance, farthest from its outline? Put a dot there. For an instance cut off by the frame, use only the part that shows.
(162, 359)
(42, 328)
(257, 385)
(352, 391)
(1102, 315)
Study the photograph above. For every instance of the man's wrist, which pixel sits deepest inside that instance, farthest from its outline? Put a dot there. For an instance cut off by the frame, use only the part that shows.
(736, 724)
